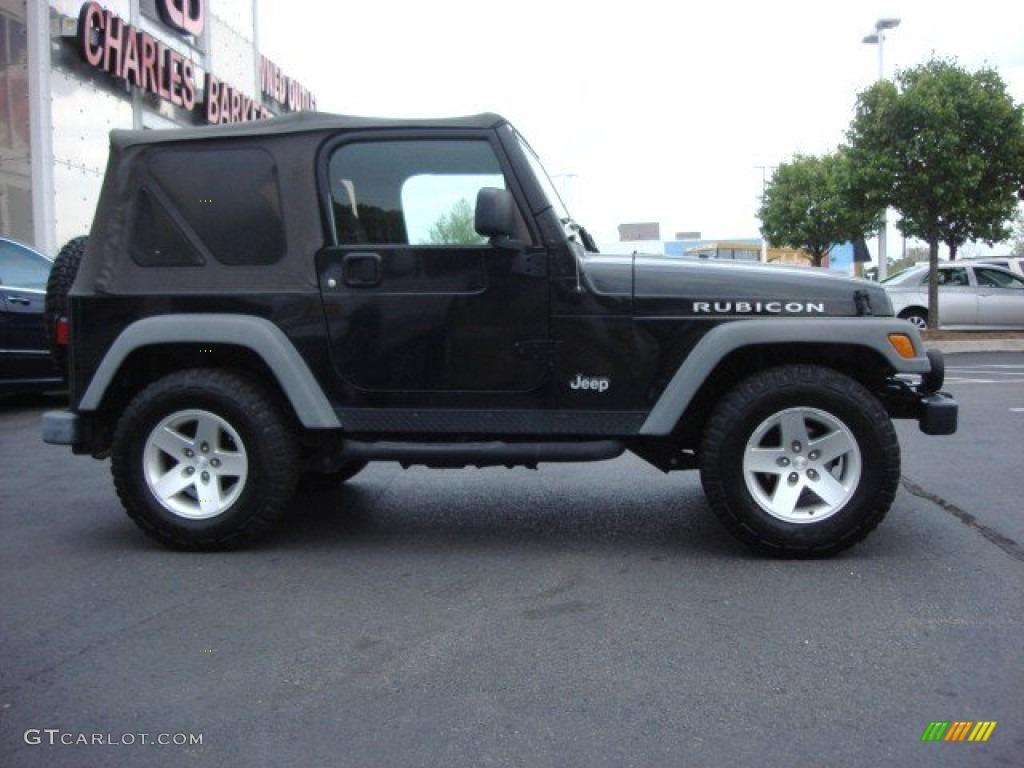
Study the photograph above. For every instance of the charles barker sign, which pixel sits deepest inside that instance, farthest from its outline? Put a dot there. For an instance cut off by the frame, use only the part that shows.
(109, 43)
(186, 16)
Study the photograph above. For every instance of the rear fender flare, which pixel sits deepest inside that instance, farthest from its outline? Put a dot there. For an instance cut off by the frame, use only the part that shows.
(256, 334)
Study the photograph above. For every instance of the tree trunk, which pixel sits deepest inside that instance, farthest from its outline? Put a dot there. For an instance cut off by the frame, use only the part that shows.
(933, 283)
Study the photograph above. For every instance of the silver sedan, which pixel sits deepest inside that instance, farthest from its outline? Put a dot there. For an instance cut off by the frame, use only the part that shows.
(971, 297)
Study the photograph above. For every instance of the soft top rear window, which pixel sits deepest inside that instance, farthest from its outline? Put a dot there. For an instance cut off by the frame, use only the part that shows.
(225, 203)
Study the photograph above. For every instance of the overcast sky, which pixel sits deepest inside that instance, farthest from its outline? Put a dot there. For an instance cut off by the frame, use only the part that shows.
(660, 111)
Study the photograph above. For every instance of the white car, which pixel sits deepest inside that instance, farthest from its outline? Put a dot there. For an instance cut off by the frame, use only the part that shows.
(972, 296)
(1013, 263)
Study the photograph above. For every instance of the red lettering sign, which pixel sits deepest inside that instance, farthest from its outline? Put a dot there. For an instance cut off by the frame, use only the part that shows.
(148, 64)
(283, 89)
(108, 43)
(90, 26)
(212, 99)
(188, 16)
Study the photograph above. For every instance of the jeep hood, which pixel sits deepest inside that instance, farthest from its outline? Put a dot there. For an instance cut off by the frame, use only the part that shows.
(660, 285)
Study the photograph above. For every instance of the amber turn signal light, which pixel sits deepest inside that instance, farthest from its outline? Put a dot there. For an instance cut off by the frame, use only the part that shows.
(902, 344)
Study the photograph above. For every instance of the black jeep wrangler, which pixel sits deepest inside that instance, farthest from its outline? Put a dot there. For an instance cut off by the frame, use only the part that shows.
(264, 306)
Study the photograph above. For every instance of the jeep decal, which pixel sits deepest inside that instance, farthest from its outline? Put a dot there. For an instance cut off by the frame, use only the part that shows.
(593, 383)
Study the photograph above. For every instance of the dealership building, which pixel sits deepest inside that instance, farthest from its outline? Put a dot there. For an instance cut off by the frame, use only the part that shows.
(72, 71)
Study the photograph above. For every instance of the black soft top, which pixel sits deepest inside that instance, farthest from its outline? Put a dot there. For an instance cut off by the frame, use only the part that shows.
(155, 181)
(299, 122)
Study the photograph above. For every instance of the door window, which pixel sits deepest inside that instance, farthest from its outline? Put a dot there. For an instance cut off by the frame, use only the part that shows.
(993, 278)
(420, 193)
(956, 277)
(20, 268)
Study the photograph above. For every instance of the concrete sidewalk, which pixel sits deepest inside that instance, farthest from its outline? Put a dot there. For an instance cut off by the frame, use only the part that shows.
(950, 346)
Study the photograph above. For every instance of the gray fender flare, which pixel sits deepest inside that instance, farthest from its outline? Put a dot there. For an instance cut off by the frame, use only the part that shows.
(860, 332)
(254, 333)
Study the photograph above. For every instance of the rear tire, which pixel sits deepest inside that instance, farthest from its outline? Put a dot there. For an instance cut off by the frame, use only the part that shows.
(62, 275)
(916, 317)
(800, 461)
(204, 460)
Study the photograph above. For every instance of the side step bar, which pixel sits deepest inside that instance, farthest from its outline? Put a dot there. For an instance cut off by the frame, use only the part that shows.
(492, 454)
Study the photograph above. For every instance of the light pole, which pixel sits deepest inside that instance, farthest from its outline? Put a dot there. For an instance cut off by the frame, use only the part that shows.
(878, 38)
(764, 185)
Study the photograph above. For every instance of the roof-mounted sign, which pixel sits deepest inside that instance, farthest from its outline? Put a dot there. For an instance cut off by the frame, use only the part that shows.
(186, 16)
(112, 45)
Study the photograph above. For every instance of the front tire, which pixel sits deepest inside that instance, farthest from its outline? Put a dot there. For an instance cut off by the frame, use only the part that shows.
(800, 461)
(204, 460)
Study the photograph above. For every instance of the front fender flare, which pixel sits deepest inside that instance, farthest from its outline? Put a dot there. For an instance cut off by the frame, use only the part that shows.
(722, 340)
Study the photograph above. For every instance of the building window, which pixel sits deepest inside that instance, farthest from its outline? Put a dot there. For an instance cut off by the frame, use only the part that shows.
(15, 131)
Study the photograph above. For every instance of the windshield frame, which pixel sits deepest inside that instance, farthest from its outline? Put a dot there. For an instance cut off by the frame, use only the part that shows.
(547, 186)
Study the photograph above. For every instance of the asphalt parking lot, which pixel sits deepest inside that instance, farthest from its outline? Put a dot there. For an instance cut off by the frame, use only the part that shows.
(579, 615)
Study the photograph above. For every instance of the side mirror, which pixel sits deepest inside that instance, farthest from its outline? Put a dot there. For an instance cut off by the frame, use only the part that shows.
(495, 217)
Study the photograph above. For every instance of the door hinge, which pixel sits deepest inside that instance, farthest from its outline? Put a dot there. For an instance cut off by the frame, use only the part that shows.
(533, 264)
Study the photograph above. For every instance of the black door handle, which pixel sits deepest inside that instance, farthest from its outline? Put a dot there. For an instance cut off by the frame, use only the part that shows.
(361, 270)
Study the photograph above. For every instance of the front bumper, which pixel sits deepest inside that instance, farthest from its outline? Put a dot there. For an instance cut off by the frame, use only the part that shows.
(62, 428)
(937, 414)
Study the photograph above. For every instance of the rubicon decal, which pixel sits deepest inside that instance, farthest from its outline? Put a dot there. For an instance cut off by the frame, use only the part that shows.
(593, 383)
(958, 730)
(758, 307)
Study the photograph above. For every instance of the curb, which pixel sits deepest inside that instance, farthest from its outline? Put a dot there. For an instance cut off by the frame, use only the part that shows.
(980, 345)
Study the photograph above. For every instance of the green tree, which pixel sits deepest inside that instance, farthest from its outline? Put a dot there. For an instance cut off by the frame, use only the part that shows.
(945, 147)
(1017, 239)
(456, 227)
(914, 254)
(810, 204)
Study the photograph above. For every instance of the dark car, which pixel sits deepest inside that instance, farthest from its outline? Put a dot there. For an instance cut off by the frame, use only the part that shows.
(265, 303)
(25, 363)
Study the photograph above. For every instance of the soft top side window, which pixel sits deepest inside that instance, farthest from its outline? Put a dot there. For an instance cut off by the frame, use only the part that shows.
(221, 202)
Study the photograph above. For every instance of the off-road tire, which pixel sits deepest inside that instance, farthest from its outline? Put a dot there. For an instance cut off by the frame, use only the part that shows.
(152, 441)
(799, 407)
(55, 305)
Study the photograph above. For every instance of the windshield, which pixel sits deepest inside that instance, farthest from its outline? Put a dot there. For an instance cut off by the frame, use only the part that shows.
(550, 192)
(573, 231)
(906, 276)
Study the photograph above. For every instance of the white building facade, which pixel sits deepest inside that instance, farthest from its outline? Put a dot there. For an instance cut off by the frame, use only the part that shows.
(72, 71)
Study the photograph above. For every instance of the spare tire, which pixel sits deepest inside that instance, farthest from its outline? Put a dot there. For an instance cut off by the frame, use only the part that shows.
(62, 275)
